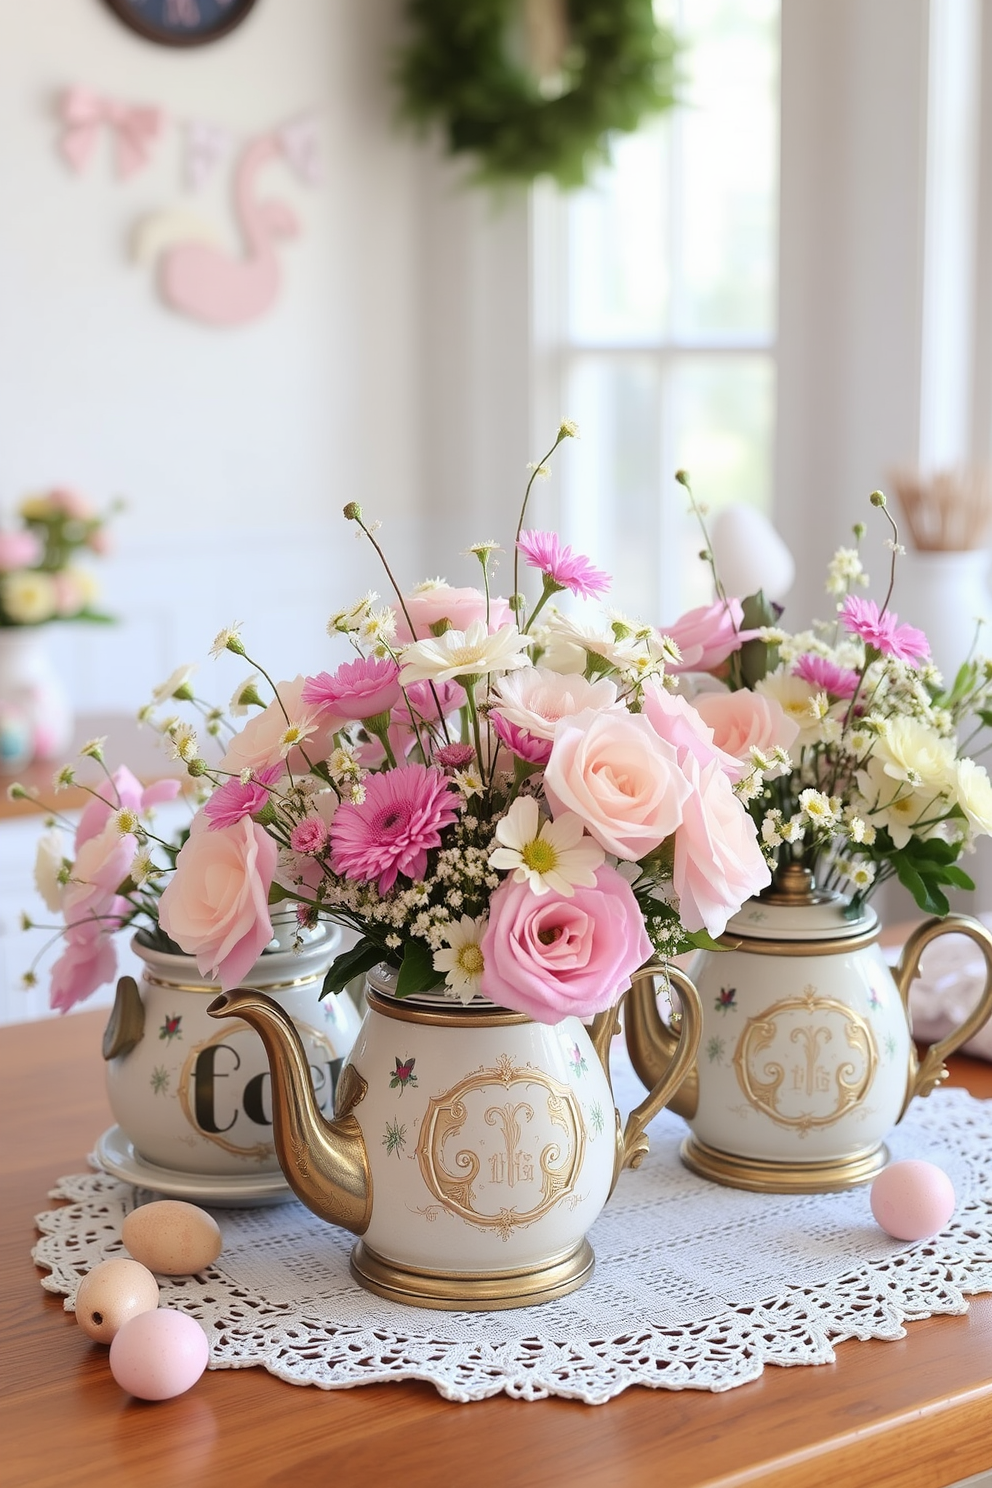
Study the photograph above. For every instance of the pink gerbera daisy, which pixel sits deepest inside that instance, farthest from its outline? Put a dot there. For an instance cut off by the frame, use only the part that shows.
(233, 800)
(394, 827)
(560, 566)
(358, 689)
(826, 676)
(882, 631)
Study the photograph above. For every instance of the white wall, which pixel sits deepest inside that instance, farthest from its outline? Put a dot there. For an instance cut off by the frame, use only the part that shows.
(234, 449)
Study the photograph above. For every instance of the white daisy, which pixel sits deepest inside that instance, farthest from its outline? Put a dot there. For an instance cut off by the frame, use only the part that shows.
(463, 653)
(462, 961)
(546, 854)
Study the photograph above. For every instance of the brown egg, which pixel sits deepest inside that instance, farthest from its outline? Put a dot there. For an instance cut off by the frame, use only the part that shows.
(172, 1238)
(111, 1294)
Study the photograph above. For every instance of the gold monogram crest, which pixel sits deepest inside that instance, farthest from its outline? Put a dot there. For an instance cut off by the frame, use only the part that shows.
(806, 1061)
(524, 1146)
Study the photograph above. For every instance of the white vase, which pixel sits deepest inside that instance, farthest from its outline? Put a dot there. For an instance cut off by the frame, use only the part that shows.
(945, 594)
(36, 719)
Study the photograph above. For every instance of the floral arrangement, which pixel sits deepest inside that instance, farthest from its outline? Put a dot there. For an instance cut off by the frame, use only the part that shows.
(498, 799)
(39, 579)
(870, 773)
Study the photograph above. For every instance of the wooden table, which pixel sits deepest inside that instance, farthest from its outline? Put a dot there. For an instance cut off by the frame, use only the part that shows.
(916, 1413)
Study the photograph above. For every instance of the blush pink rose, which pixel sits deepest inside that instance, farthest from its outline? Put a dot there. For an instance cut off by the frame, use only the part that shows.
(742, 721)
(429, 607)
(93, 911)
(718, 863)
(708, 635)
(679, 722)
(88, 962)
(216, 904)
(619, 778)
(257, 746)
(124, 789)
(19, 550)
(550, 957)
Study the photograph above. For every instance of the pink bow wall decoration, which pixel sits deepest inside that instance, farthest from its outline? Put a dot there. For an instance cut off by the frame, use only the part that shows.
(298, 140)
(135, 127)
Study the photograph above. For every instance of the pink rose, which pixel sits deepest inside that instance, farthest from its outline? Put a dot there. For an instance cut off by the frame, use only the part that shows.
(216, 904)
(742, 721)
(71, 504)
(88, 962)
(619, 777)
(430, 606)
(18, 550)
(718, 863)
(550, 957)
(92, 910)
(123, 789)
(708, 635)
(259, 743)
(679, 722)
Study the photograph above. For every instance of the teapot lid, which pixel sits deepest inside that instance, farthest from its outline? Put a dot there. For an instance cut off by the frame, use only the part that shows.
(795, 909)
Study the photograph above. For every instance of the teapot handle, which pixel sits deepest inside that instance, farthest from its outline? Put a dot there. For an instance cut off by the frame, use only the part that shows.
(931, 1070)
(632, 1144)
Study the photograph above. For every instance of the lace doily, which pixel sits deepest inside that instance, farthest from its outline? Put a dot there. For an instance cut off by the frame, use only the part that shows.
(696, 1286)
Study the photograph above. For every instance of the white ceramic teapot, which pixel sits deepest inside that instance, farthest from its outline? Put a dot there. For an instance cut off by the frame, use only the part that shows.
(194, 1098)
(472, 1148)
(806, 1060)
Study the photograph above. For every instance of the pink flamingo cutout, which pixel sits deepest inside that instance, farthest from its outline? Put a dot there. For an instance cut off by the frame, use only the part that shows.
(210, 284)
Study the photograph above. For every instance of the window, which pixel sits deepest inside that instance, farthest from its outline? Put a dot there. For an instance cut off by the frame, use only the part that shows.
(658, 337)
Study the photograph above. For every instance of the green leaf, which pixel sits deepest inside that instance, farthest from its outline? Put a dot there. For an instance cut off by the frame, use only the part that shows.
(958, 877)
(351, 963)
(417, 972)
(702, 940)
(926, 893)
(277, 894)
(757, 658)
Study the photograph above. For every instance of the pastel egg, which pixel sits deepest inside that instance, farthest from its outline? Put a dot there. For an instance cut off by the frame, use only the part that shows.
(159, 1354)
(912, 1199)
(172, 1238)
(112, 1293)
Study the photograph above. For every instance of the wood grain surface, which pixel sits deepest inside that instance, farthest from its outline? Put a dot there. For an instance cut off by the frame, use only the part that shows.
(915, 1413)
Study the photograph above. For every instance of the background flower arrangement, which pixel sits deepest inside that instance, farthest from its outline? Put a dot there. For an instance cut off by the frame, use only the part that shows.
(499, 799)
(39, 578)
(880, 779)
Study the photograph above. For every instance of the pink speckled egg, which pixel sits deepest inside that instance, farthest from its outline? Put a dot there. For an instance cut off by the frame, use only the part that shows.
(157, 1355)
(912, 1199)
(110, 1294)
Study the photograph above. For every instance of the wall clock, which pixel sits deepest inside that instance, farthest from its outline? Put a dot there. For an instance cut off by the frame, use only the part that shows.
(181, 22)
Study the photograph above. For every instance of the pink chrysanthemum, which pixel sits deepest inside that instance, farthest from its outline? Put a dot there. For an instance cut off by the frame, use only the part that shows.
(565, 569)
(394, 827)
(232, 800)
(358, 689)
(826, 676)
(454, 756)
(520, 741)
(309, 836)
(883, 632)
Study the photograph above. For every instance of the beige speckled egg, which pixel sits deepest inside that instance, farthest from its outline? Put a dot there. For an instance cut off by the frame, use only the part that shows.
(172, 1238)
(112, 1293)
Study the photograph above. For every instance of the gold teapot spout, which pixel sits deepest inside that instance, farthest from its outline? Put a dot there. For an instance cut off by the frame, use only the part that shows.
(325, 1162)
(651, 1044)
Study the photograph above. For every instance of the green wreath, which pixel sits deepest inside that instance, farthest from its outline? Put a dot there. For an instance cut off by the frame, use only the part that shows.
(617, 66)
